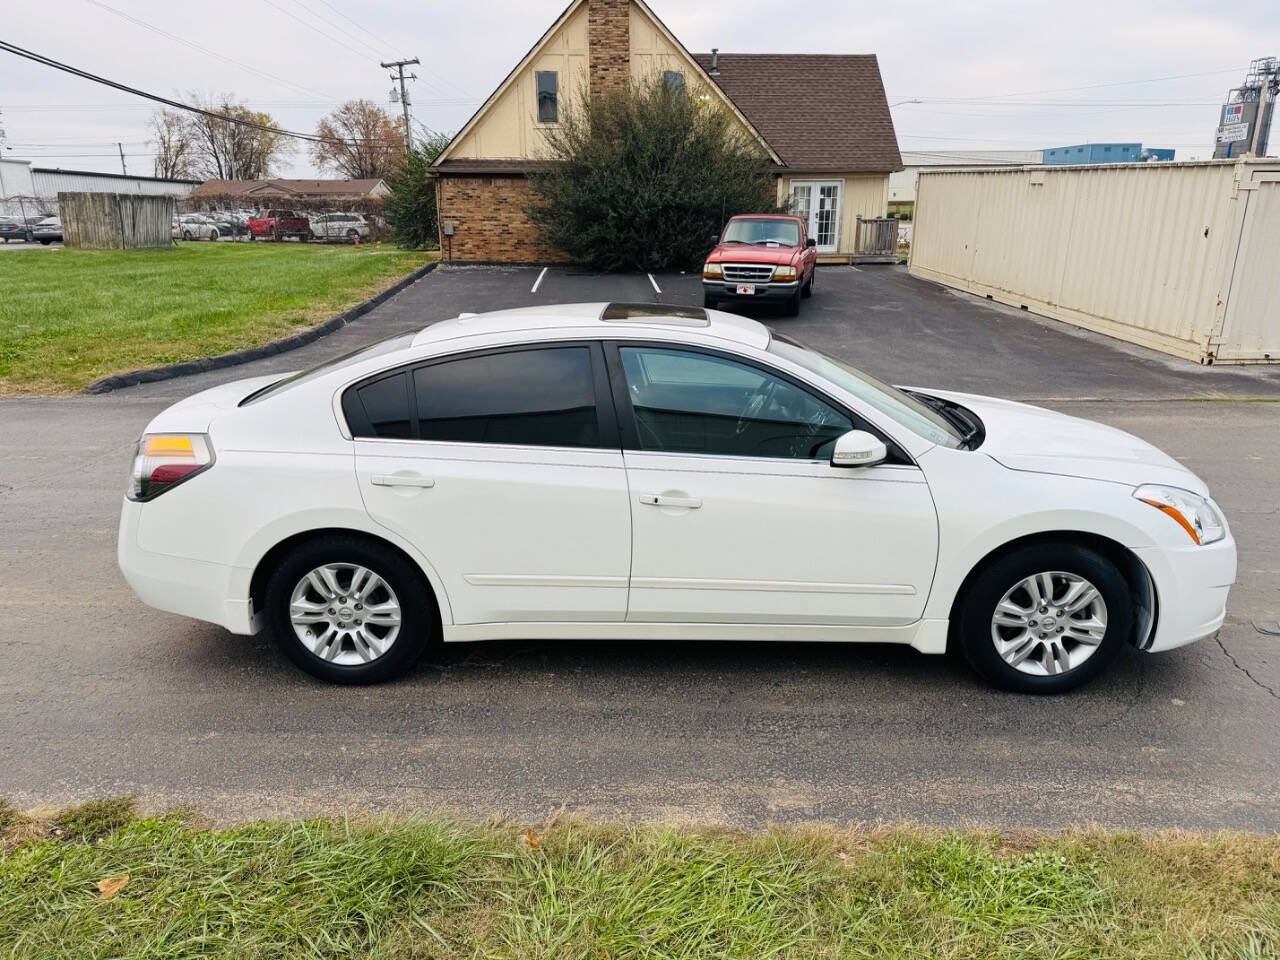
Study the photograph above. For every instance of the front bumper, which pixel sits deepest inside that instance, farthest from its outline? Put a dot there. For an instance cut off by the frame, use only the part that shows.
(728, 290)
(213, 592)
(1192, 584)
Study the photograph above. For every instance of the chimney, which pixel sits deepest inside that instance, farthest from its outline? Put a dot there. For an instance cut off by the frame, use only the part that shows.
(715, 62)
(609, 46)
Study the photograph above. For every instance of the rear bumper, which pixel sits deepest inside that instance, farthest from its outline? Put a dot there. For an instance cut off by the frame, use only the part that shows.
(728, 290)
(199, 589)
(1191, 584)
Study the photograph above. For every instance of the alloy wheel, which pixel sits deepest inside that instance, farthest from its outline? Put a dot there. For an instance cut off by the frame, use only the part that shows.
(345, 613)
(1049, 623)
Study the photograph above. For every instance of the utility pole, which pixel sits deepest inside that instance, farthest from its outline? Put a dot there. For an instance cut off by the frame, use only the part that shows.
(123, 168)
(399, 66)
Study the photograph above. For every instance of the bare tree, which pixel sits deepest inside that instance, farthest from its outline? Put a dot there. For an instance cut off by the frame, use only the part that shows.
(174, 146)
(233, 151)
(360, 141)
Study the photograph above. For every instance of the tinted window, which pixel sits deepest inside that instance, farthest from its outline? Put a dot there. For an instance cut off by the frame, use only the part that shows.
(548, 96)
(697, 403)
(539, 397)
(386, 404)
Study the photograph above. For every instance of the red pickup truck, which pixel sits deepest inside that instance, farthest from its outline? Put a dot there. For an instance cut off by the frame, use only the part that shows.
(278, 224)
(761, 257)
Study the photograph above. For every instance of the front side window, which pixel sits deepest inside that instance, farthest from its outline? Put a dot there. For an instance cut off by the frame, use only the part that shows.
(686, 402)
(536, 397)
(548, 83)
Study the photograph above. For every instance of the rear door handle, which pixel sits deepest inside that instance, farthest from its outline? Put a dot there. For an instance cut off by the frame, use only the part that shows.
(662, 500)
(401, 480)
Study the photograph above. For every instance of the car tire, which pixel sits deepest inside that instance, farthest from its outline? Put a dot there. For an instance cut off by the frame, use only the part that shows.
(405, 586)
(792, 306)
(708, 301)
(1046, 666)
(45, 243)
(213, 235)
(807, 290)
(352, 235)
(186, 235)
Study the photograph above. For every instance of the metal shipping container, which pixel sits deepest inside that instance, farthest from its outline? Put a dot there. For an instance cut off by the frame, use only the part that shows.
(1180, 257)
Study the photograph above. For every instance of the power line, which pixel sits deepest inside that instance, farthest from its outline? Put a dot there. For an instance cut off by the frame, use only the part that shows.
(374, 51)
(176, 104)
(1099, 86)
(205, 50)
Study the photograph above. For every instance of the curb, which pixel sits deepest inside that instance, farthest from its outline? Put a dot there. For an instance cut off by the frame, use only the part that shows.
(236, 357)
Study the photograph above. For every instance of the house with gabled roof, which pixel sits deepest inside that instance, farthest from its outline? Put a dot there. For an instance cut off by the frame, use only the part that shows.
(821, 121)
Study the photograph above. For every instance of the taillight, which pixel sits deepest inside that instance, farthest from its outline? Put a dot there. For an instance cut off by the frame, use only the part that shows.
(164, 460)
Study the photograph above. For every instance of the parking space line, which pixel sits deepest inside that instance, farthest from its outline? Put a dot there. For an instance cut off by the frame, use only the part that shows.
(537, 283)
(656, 288)
(855, 269)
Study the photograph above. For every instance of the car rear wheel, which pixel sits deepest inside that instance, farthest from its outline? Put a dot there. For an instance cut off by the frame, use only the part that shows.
(1045, 618)
(348, 611)
(213, 234)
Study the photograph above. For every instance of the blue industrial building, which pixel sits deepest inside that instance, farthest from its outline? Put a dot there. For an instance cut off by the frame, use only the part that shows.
(1105, 153)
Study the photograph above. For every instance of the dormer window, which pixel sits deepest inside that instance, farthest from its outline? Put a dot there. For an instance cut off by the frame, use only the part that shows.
(548, 83)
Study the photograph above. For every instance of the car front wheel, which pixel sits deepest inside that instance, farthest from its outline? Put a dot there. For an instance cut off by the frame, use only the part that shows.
(1045, 618)
(349, 611)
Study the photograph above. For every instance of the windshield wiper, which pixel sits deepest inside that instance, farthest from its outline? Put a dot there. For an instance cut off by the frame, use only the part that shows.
(955, 414)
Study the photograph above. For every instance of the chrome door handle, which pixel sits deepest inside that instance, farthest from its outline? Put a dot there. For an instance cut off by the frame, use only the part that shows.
(400, 480)
(661, 500)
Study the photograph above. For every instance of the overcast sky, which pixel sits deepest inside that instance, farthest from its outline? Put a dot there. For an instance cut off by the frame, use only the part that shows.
(1032, 75)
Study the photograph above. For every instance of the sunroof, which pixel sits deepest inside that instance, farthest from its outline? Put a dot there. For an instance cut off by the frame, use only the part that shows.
(655, 313)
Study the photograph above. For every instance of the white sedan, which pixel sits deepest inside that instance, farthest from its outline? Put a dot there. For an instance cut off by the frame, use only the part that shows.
(629, 471)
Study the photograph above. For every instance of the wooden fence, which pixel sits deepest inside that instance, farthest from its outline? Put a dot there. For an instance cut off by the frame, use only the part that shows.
(116, 221)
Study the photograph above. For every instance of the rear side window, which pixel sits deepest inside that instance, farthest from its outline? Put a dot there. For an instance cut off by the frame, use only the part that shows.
(386, 406)
(535, 397)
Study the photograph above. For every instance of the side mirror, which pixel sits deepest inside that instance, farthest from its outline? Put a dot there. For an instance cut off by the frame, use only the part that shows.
(811, 242)
(857, 448)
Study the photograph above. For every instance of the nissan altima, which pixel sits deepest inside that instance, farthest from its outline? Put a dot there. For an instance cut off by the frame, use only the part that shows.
(637, 471)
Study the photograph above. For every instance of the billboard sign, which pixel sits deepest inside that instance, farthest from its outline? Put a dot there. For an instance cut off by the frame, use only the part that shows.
(1235, 129)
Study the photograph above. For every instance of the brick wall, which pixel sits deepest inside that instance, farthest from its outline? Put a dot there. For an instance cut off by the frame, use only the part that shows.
(609, 45)
(490, 221)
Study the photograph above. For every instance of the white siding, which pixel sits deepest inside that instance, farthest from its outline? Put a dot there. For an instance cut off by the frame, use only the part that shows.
(1144, 252)
(49, 183)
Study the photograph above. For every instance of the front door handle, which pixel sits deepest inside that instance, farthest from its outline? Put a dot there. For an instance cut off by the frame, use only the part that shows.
(401, 480)
(663, 500)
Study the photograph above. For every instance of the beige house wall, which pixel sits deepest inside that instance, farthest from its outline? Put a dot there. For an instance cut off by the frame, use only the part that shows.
(864, 195)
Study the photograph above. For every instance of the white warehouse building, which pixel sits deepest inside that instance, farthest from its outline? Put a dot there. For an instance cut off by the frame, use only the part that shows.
(23, 186)
(902, 185)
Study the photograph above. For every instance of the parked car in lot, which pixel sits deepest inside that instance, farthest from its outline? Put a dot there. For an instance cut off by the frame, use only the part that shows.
(14, 228)
(620, 471)
(278, 225)
(48, 230)
(761, 258)
(340, 226)
(229, 223)
(196, 226)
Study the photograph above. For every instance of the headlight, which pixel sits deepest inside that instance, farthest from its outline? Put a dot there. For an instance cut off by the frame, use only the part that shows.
(1192, 512)
(712, 271)
(784, 274)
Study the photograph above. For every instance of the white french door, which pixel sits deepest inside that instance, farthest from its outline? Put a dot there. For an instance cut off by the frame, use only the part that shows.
(819, 202)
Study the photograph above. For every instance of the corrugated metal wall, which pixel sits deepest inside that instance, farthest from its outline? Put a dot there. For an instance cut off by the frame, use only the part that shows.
(113, 221)
(49, 183)
(1144, 252)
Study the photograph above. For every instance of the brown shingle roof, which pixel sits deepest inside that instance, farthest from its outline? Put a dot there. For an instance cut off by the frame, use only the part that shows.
(278, 187)
(822, 113)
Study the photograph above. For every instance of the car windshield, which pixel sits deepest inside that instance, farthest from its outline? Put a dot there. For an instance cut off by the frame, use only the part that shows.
(391, 344)
(783, 232)
(892, 402)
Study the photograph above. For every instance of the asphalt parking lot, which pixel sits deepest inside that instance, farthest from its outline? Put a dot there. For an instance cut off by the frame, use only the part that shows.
(99, 694)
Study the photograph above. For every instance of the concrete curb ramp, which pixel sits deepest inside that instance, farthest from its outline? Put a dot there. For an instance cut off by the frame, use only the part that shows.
(236, 357)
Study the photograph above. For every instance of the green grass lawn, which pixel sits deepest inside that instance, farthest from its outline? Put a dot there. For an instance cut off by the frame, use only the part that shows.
(434, 889)
(68, 317)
